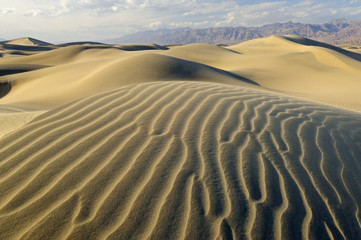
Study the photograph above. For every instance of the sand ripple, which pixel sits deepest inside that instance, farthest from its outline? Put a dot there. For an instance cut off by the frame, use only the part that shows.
(183, 160)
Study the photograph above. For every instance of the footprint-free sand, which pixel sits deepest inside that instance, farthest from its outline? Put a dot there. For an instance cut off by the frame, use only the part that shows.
(260, 140)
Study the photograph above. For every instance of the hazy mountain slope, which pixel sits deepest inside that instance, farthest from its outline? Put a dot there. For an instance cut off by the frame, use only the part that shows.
(340, 32)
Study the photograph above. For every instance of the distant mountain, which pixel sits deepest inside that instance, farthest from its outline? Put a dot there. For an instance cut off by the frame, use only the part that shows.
(337, 32)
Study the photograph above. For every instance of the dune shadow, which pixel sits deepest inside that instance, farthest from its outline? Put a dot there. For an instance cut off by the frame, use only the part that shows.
(20, 53)
(4, 72)
(140, 47)
(130, 47)
(190, 69)
(26, 48)
(310, 42)
(5, 88)
(80, 43)
(8, 70)
(233, 75)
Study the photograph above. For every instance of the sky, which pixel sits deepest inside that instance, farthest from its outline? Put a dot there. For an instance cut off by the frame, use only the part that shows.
(94, 20)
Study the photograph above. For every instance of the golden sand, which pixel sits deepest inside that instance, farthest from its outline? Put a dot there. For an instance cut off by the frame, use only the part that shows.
(260, 140)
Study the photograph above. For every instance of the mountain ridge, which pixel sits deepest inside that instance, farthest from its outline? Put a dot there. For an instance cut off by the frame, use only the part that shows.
(336, 32)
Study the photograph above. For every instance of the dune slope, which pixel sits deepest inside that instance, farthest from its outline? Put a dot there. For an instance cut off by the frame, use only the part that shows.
(286, 64)
(183, 160)
(27, 41)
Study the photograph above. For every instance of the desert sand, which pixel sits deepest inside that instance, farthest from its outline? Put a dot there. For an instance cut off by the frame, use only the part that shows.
(259, 140)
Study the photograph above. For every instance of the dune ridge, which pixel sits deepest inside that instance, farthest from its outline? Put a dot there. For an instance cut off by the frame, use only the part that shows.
(260, 140)
(27, 41)
(289, 65)
(183, 160)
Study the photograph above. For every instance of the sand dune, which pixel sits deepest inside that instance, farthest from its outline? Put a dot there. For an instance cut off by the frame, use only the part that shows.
(180, 142)
(27, 41)
(11, 118)
(183, 160)
(285, 64)
(55, 86)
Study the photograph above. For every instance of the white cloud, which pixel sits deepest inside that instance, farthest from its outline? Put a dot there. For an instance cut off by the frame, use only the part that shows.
(7, 10)
(101, 19)
(304, 3)
(356, 11)
(155, 24)
(280, 11)
(33, 13)
(210, 8)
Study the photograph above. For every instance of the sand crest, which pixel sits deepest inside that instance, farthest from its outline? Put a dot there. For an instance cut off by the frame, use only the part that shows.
(114, 142)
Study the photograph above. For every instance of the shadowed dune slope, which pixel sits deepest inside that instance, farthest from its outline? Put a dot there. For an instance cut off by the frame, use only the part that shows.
(301, 67)
(4, 89)
(8, 69)
(27, 41)
(310, 42)
(54, 86)
(183, 160)
(288, 64)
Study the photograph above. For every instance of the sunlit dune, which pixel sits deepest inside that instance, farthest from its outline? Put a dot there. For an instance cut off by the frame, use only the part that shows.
(27, 41)
(259, 140)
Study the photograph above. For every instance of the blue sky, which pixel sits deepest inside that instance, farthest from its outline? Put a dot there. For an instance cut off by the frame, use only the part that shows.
(75, 20)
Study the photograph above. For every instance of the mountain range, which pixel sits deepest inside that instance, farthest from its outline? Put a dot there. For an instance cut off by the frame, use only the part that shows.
(336, 32)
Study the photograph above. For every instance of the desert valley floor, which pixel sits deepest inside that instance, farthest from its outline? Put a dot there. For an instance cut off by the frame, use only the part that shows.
(259, 140)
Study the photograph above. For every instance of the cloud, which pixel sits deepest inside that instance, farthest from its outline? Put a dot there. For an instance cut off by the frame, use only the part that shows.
(7, 10)
(114, 8)
(33, 13)
(355, 11)
(102, 19)
(279, 11)
(305, 3)
(155, 24)
(210, 8)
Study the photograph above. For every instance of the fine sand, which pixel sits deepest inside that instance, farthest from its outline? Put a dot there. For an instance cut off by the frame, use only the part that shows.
(260, 140)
